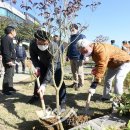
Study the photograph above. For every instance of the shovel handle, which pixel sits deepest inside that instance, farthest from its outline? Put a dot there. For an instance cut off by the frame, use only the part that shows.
(88, 101)
(89, 97)
(42, 101)
(41, 96)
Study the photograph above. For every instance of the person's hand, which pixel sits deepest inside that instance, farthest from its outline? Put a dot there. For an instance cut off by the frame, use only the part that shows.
(67, 58)
(37, 71)
(11, 63)
(91, 91)
(41, 90)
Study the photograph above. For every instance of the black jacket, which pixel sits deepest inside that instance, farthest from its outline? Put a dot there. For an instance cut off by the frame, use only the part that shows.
(44, 58)
(7, 49)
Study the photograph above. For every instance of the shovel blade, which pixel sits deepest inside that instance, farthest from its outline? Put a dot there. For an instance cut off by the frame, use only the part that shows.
(89, 112)
(45, 115)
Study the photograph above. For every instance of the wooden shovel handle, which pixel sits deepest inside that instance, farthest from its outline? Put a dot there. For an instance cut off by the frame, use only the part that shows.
(89, 97)
(41, 96)
(42, 101)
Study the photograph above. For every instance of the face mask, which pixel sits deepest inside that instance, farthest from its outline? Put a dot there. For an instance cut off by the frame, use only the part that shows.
(88, 53)
(74, 32)
(42, 47)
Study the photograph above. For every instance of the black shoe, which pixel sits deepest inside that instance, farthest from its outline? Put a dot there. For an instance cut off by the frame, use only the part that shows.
(33, 99)
(6, 92)
(80, 85)
(105, 99)
(72, 85)
(76, 87)
(12, 89)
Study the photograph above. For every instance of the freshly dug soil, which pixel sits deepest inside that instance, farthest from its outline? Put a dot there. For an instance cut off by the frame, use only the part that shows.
(70, 122)
(75, 121)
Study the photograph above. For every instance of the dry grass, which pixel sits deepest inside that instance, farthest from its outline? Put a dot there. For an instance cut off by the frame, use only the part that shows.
(16, 114)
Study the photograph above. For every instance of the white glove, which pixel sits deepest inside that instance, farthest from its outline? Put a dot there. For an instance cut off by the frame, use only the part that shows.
(41, 90)
(91, 91)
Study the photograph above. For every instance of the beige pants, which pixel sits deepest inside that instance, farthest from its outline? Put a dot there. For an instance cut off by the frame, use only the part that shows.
(77, 71)
(119, 74)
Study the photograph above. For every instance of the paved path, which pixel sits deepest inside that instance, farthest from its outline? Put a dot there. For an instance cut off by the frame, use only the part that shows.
(104, 122)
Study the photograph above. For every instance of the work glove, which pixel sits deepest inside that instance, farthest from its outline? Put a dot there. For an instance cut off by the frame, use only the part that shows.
(41, 90)
(37, 71)
(92, 88)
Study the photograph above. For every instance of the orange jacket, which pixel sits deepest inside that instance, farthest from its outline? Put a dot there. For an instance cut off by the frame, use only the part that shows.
(107, 55)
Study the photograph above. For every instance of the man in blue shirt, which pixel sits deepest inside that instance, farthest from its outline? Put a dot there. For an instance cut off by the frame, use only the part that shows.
(75, 57)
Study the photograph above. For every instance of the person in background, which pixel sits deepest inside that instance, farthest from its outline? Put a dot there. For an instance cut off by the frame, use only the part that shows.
(8, 59)
(56, 40)
(1, 65)
(129, 47)
(126, 46)
(114, 44)
(104, 56)
(75, 57)
(20, 55)
(41, 57)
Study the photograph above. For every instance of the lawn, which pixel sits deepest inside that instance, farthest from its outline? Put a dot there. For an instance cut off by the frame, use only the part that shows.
(16, 114)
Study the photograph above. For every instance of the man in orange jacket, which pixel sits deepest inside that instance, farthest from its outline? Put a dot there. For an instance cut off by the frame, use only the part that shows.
(106, 56)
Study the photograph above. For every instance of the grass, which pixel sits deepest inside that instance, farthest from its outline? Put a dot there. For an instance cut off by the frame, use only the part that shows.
(16, 114)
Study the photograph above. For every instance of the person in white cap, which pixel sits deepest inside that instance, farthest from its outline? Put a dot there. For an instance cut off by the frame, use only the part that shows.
(106, 56)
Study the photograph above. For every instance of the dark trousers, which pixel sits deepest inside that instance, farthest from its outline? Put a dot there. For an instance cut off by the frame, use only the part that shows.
(8, 78)
(62, 93)
(22, 62)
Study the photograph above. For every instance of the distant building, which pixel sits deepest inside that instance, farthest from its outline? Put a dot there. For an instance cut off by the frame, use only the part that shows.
(7, 11)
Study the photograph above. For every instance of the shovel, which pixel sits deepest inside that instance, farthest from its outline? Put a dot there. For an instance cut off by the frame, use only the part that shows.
(44, 113)
(87, 109)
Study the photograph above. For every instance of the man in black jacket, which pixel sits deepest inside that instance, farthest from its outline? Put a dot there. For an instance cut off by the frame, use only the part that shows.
(41, 52)
(8, 58)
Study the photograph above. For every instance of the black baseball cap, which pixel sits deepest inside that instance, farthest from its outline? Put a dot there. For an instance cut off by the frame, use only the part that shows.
(42, 35)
